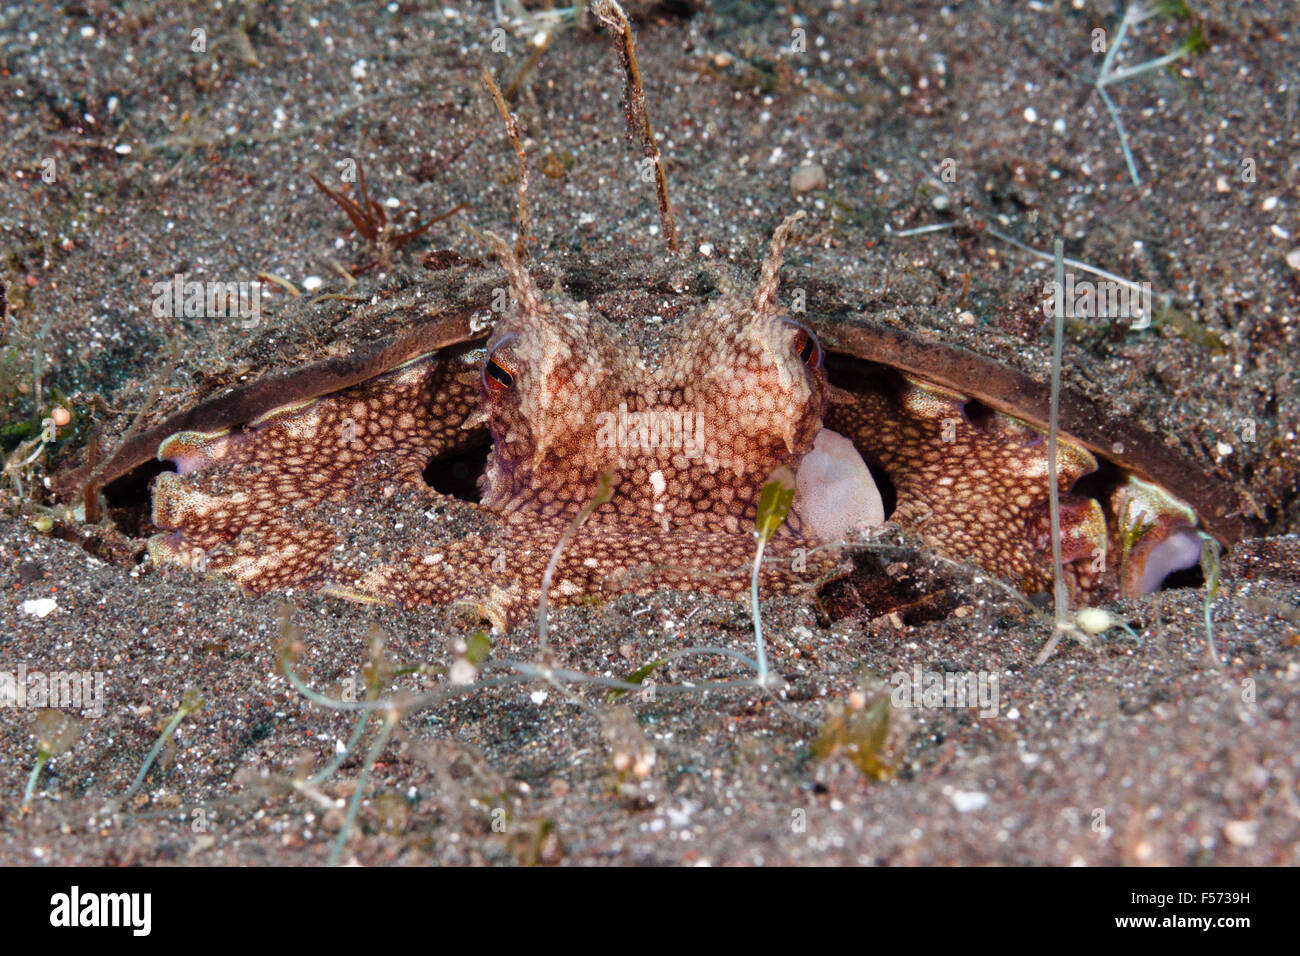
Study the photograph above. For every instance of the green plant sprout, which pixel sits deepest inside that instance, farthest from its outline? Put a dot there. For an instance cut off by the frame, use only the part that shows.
(190, 703)
(372, 672)
(859, 729)
(774, 503)
(1060, 600)
(604, 491)
(55, 732)
(975, 226)
(1087, 620)
(1133, 15)
(43, 429)
(1211, 569)
(392, 716)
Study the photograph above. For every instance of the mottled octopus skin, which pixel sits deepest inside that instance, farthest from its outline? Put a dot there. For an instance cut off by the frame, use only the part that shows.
(332, 495)
(979, 490)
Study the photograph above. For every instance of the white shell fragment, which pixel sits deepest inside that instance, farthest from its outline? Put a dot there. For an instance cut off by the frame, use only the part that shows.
(836, 493)
(40, 606)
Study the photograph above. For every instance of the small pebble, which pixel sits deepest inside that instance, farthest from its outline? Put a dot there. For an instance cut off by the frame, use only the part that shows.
(462, 673)
(967, 800)
(807, 177)
(1241, 832)
(40, 606)
(1293, 259)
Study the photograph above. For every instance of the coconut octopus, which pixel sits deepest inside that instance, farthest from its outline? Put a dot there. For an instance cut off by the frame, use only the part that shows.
(321, 479)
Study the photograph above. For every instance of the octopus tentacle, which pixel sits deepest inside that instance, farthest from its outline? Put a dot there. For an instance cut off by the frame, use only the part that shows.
(253, 502)
(974, 484)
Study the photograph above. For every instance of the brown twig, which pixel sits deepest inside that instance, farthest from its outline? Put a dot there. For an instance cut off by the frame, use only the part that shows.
(512, 130)
(89, 494)
(371, 222)
(535, 51)
(609, 13)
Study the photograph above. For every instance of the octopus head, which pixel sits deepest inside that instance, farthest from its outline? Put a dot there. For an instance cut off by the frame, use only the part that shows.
(690, 425)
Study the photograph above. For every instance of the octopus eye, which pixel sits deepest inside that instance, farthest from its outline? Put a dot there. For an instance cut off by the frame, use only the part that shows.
(496, 377)
(805, 345)
(498, 372)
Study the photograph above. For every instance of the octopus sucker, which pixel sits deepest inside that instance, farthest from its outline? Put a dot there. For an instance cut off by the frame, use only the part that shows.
(171, 548)
(1157, 535)
(193, 451)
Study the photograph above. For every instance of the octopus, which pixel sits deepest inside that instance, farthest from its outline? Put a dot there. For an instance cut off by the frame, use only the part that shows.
(632, 458)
